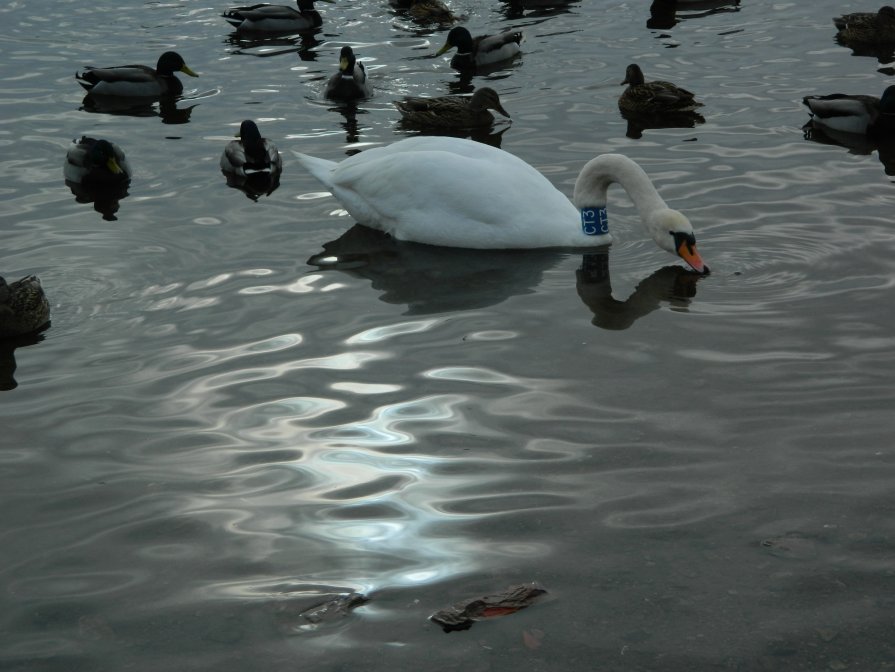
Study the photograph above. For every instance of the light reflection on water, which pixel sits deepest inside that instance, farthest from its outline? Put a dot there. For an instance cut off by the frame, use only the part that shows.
(243, 408)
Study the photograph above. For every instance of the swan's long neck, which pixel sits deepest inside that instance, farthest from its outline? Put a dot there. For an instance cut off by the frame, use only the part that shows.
(601, 171)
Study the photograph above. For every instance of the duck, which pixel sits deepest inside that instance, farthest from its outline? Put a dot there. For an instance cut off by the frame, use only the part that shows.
(251, 153)
(857, 114)
(431, 11)
(350, 82)
(454, 192)
(94, 162)
(137, 81)
(480, 50)
(265, 18)
(642, 97)
(452, 111)
(24, 307)
(867, 27)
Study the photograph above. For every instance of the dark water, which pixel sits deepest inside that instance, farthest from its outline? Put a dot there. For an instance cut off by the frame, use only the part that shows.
(222, 428)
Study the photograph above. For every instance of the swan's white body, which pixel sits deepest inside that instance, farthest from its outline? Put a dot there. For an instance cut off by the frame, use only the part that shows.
(461, 193)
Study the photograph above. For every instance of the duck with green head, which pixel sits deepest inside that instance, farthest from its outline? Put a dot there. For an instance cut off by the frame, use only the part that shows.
(265, 18)
(350, 82)
(480, 50)
(137, 81)
(93, 162)
(855, 114)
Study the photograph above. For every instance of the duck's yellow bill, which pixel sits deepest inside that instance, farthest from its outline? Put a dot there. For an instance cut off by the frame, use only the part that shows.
(186, 70)
(113, 166)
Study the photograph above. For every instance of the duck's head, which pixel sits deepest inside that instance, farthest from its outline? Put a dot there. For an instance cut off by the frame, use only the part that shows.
(347, 60)
(103, 154)
(486, 98)
(308, 5)
(633, 75)
(673, 232)
(248, 131)
(458, 37)
(171, 62)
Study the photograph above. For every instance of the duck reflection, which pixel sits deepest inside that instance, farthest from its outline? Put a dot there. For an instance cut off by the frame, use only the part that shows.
(430, 279)
(8, 348)
(260, 46)
(488, 135)
(664, 14)
(638, 123)
(855, 143)
(674, 285)
(349, 111)
(515, 9)
(105, 198)
(884, 52)
(164, 107)
(253, 185)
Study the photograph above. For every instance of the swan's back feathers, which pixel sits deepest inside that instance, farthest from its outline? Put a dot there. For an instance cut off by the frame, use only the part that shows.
(450, 192)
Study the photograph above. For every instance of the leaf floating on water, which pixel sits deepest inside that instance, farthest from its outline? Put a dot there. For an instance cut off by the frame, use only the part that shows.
(462, 615)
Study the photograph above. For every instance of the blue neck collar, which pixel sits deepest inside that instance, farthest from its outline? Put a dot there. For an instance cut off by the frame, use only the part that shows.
(594, 221)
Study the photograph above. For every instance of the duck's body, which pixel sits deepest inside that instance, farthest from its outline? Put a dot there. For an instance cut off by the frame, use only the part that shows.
(867, 27)
(452, 111)
(461, 193)
(251, 153)
(857, 114)
(350, 82)
(24, 307)
(655, 97)
(431, 11)
(482, 50)
(96, 163)
(137, 81)
(265, 18)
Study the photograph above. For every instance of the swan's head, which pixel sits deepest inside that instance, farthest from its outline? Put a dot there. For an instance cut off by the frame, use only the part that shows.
(673, 232)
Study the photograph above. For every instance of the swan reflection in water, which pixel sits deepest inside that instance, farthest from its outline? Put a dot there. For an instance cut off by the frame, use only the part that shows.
(855, 143)
(674, 285)
(430, 279)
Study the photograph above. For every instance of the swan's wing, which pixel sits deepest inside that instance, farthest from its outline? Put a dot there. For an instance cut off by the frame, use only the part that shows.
(443, 191)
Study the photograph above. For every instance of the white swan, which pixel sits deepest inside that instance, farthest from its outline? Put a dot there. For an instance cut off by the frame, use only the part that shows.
(461, 193)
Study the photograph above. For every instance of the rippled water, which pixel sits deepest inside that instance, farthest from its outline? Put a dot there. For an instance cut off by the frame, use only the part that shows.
(243, 409)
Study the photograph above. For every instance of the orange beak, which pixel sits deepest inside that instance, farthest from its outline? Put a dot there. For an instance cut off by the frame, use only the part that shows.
(690, 254)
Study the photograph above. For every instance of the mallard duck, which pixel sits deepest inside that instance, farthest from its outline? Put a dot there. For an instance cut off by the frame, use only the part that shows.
(481, 50)
(23, 307)
(867, 27)
(452, 111)
(251, 153)
(96, 163)
(350, 82)
(275, 18)
(652, 97)
(461, 193)
(137, 81)
(864, 115)
(431, 11)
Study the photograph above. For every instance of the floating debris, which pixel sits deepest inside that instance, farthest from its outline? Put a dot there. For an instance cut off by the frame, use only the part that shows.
(462, 615)
(333, 609)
